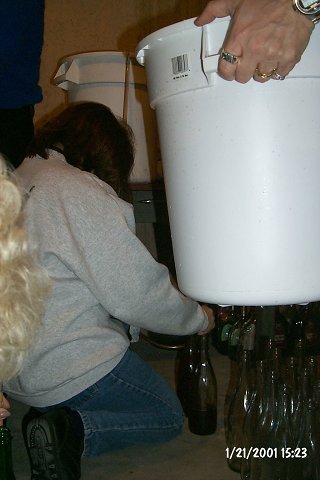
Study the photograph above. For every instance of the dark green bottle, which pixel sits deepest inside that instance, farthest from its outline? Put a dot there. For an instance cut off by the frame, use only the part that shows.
(225, 319)
(6, 465)
(185, 365)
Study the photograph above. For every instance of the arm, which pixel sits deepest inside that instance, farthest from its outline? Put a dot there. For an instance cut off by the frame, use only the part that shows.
(118, 269)
(267, 34)
(21, 24)
(211, 323)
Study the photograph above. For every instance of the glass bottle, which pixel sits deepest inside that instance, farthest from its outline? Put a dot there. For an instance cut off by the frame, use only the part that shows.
(266, 424)
(247, 338)
(202, 399)
(184, 368)
(273, 358)
(316, 404)
(225, 318)
(302, 311)
(297, 328)
(307, 381)
(288, 312)
(280, 438)
(280, 335)
(6, 465)
(252, 417)
(307, 466)
(311, 330)
(264, 329)
(239, 406)
(234, 332)
(311, 367)
(292, 382)
(299, 355)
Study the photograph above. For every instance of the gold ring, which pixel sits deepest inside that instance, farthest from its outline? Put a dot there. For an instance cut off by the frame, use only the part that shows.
(229, 57)
(264, 76)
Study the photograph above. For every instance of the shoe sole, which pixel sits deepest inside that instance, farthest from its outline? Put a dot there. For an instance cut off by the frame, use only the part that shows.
(42, 448)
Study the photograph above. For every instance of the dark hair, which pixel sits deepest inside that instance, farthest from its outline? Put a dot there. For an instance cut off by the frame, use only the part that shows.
(93, 139)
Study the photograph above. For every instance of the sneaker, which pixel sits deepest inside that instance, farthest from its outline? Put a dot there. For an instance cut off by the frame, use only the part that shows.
(54, 449)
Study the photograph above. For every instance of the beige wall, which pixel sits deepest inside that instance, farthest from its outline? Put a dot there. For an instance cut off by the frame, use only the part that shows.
(74, 26)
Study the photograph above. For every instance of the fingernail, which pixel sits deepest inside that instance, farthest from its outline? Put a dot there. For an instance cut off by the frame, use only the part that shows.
(4, 414)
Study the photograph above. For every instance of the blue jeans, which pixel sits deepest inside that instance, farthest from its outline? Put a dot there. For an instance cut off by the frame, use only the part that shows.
(131, 405)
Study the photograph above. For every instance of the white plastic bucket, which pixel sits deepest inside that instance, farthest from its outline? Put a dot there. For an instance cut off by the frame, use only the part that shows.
(241, 167)
(116, 80)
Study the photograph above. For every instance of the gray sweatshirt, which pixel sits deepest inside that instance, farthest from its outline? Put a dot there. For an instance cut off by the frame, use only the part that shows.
(104, 281)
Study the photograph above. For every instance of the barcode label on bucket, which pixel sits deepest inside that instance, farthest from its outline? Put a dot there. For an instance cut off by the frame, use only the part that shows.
(180, 66)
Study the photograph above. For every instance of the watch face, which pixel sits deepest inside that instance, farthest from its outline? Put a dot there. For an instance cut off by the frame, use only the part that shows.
(309, 6)
(307, 3)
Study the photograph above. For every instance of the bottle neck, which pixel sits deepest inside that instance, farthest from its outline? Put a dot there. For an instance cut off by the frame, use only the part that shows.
(308, 420)
(203, 343)
(290, 373)
(247, 374)
(284, 403)
(271, 397)
(260, 378)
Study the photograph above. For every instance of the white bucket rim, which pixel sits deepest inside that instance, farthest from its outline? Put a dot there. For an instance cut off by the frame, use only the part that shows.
(176, 28)
(98, 53)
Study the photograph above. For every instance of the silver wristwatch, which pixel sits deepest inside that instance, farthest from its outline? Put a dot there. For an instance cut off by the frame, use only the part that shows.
(310, 8)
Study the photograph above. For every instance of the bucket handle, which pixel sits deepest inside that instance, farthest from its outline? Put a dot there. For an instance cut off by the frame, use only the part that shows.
(209, 56)
(67, 73)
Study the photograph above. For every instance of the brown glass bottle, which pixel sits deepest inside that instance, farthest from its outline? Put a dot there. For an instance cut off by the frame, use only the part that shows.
(202, 399)
(185, 365)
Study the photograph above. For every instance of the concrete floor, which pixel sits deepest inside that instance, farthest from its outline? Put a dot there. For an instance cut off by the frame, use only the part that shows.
(189, 456)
